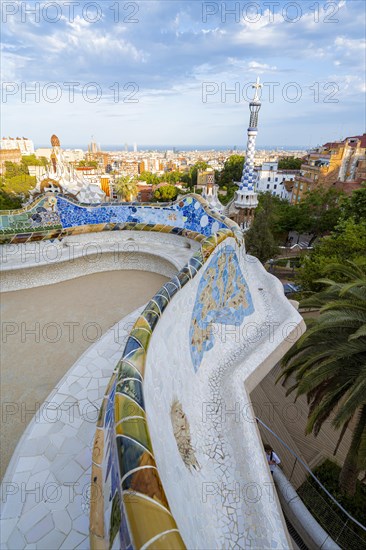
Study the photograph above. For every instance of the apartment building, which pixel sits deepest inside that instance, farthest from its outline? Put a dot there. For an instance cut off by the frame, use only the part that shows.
(277, 182)
(339, 164)
(25, 145)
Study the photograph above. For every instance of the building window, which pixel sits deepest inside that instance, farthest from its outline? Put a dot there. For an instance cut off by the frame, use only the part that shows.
(276, 179)
(267, 185)
(275, 186)
(268, 179)
(301, 187)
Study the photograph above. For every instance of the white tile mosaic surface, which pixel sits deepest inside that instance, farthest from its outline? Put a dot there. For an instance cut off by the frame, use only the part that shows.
(91, 253)
(45, 491)
(230, 497)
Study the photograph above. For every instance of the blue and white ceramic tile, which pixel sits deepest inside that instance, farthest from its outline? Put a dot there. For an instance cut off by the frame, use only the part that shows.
(222, 297)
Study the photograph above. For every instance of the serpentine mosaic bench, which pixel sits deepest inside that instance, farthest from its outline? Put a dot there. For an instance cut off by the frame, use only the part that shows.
(174, 455)
(55, 216)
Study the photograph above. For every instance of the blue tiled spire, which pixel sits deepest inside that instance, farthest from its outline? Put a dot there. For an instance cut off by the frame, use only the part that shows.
(248, 178)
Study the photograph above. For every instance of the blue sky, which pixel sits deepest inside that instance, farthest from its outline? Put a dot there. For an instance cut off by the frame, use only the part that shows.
(160, 72)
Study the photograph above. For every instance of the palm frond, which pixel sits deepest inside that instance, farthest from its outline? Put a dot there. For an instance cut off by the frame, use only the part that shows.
(361, 332)
(328, 362)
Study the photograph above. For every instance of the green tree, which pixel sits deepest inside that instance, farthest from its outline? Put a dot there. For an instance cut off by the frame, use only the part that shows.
(321, 209)
(166, 193)
(126, 187)
(32, 160)
(187, 179)
(9, 202)
(232, 171)
(230, 192)
(16, 183)
(355, 205)
(149, 177)
(88, 164)
(282, 215)
(346, 242)
(13, 169)
(290, 163)
(327, 364)
(20, 184)
(318, 213)
(259, 240)
(171, 177)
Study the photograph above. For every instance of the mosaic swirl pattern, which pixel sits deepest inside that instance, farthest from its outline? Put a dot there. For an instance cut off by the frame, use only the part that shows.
(124, 469)
(223, 297)
(54, 216)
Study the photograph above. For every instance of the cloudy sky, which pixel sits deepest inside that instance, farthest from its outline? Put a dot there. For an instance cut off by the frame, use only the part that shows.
(179, 72)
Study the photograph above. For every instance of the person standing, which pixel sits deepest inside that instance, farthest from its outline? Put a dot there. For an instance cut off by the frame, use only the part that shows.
(272, 459)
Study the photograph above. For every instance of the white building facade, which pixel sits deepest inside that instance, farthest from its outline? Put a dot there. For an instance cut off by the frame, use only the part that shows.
(272, 180)
(25, 145)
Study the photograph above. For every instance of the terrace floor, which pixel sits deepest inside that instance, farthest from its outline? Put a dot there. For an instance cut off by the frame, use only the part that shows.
(46, 329)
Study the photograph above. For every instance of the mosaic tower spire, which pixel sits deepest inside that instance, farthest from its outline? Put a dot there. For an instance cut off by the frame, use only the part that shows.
(248, 177)
(246, 200)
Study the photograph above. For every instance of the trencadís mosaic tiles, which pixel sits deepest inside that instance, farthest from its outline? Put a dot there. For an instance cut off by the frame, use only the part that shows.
(128, 506)
(223, 298)
(54, 216)
(129, 509)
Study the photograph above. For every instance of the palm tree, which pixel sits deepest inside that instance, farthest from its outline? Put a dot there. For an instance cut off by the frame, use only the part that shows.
(126, 187)
(328, 363)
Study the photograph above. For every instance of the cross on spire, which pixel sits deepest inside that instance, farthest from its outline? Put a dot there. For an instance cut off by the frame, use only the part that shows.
(257, 87)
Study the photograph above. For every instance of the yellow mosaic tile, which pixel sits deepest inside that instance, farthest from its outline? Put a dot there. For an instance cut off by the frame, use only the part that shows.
(137, 358)
(142, 335)
(136, 429)
(147, 519)
(124, 407)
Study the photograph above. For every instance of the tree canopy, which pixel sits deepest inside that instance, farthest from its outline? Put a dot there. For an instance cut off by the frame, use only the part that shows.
(126, 187)
(355, 205)
(9, 202)
(18, 185)
(149, 177)
(290, 163)
(259, 240)
(166, 193)
(346, 241)
(88, 164)
(232, 171)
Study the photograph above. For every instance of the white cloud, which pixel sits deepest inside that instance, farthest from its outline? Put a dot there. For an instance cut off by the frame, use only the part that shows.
(12, 65)
(261, 68)
(172, 52)
(350, 45)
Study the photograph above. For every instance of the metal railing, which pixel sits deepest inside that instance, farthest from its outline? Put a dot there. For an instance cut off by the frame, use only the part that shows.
(341, 526)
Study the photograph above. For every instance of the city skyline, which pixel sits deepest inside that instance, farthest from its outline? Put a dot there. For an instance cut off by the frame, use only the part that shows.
(180, 72)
